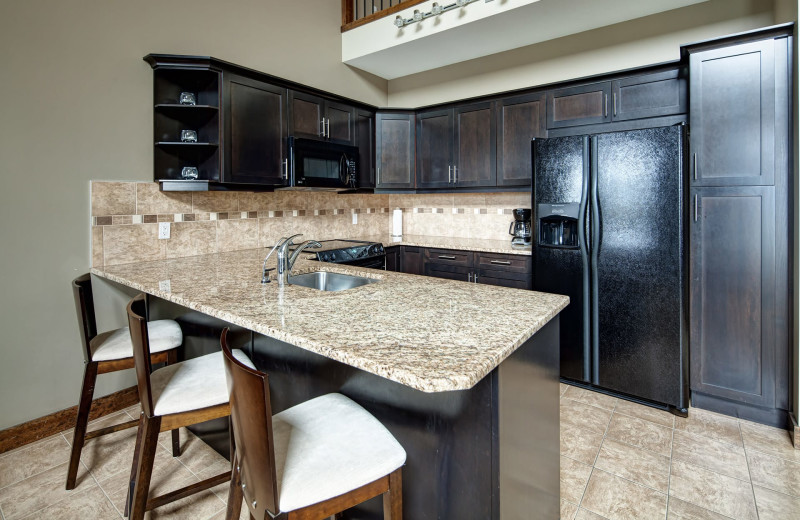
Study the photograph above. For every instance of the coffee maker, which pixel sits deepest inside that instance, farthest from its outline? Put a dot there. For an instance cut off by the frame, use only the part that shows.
(520, 228)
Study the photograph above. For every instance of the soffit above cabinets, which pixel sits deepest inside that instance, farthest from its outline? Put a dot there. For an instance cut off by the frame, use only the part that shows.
(481, 28)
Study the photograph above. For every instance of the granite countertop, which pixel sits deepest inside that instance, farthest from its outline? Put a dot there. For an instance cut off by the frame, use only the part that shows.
(482, 245)
(427, 333)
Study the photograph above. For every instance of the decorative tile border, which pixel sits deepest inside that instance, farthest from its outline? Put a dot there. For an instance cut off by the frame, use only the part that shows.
(117, 220)
(462, 211)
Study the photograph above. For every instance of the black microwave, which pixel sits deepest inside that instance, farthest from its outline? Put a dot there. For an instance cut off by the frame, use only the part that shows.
(320, 164)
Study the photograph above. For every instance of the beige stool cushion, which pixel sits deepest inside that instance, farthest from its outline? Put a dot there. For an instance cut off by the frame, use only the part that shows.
(328, 446)
(116, 344)
(192, 384)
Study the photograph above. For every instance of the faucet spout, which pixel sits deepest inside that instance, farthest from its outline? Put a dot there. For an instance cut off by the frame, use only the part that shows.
(296, 253)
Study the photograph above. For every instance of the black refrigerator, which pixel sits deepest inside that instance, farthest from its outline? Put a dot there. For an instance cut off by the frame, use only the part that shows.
(609, 233)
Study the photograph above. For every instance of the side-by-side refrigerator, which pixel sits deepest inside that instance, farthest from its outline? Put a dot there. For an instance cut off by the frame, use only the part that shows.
(609, 234)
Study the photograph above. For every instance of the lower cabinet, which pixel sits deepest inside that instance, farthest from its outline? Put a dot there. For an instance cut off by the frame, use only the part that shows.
(477, 267)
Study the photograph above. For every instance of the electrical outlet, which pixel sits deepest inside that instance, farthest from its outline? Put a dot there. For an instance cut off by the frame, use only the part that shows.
(164, 285)
(163, 230)
(355, 218)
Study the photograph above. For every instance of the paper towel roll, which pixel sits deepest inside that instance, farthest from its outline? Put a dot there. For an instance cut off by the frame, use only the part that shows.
(397, 223)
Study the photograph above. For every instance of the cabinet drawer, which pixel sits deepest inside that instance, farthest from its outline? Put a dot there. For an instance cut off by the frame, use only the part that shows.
(448, 257)
(509, 263)
(451, 272)
(506, 282)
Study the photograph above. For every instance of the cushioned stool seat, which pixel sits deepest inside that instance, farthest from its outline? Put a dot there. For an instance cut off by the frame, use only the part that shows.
(116, 344)
(328, 446)
(192, 384)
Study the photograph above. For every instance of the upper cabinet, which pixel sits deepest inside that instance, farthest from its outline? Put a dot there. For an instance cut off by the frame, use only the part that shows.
(520, 119)
(255, 132)
(394, 150)
(314, 117)
(733, 114)
(581, 105)
(456, 147)
(365, 141)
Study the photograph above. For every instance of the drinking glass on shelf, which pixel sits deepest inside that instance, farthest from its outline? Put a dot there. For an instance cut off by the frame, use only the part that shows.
(187, 98)
(189, 173)
(188, 136)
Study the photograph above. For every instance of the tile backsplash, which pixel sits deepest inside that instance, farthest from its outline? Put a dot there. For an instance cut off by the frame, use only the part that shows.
(125, 217)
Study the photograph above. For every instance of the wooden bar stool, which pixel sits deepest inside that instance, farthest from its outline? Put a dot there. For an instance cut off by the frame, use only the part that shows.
(109, 352)
(182, 394)
(311, 461)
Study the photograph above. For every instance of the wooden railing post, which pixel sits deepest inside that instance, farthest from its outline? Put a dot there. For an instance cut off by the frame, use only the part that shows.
(348, 14)
(351, 19)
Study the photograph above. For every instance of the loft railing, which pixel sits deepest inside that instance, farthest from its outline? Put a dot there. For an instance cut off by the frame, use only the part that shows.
(359, 12)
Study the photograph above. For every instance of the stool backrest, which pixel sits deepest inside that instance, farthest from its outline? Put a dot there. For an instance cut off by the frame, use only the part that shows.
(251, 413)
(84, 306)
(141, 351)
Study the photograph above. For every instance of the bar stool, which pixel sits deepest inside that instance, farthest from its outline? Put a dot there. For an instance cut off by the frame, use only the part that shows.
(109, 352)
(311, 461)
(181, 394)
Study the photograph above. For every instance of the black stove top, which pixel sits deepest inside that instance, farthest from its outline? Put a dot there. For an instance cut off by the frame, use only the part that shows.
(345, 251)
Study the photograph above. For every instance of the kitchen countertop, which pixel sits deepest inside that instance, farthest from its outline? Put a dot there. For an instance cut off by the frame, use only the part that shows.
(465, 244)
(427, 333)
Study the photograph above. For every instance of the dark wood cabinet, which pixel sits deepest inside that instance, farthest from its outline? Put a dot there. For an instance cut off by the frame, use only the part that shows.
(393, 258)
(733, 294)
(314, 117)
(648, 95)
(520, 119)
(581, 105)
(740, 240)
(412, 260)
(365, 141)
(488, 268)
(456, 147)
(255, 132)
(732, 114)
(394, 150)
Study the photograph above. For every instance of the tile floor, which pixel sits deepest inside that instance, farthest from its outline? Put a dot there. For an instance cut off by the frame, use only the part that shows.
(619, 460)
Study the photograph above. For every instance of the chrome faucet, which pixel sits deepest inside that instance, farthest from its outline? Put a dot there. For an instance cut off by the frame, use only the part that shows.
(285, 260)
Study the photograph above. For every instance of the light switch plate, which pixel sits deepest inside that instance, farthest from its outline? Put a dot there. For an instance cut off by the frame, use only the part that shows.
(355, 218)
(163, 230)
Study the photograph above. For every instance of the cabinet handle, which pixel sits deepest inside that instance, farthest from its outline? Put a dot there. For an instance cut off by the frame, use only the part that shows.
(328, 128)
(322, 128)
(614, 99)
(695, 207)
(605, 110)
(446, 257)
(475, 278)
(694, 157)
(455, 174)
(449, 174)
(500, 262)
(469, 277)
(286, 169)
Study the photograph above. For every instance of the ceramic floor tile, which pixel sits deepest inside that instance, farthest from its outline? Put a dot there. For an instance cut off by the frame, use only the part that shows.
(714, 426)
(719, 493)
(580, 444)
(723, 458)
(86, 505)
(110, 454)
(39, 491)
(592, 398)
(635, 464)
(775, 506)
(568, 510)
(585, 514)
(37, 457)
(103, 422)
(573, 479)
(221, 515)
(584, 416)
(648, 413)
(774, 473)
(562, 388)
(680, 510)
(641, 433)
(616, 498)
(766, 439)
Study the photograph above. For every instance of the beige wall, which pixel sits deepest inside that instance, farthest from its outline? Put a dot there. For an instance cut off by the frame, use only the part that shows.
(649, 40)
(75, 105)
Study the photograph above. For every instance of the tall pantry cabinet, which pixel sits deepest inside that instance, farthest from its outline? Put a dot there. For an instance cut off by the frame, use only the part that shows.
(739, 211)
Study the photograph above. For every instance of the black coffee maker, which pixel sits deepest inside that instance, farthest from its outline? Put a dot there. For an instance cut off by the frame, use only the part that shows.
(520, 229)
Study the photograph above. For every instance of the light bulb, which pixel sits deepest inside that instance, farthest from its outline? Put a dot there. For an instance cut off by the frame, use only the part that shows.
(436, 9)
(399, 22)
(461, 3)
(417, 15)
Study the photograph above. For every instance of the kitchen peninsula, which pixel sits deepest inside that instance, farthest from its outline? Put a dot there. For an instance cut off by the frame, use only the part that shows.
(464, 375)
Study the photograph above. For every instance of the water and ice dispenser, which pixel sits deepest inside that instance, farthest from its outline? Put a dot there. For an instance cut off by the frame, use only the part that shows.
(558, 224)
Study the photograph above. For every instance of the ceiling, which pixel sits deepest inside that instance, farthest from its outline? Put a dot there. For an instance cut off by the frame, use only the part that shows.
(481, 28)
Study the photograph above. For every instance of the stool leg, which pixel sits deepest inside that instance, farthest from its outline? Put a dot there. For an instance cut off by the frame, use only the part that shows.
(172, 358)
(235, 495)
(135, 464)
(84, 405)
(393, 498)
(147, 455)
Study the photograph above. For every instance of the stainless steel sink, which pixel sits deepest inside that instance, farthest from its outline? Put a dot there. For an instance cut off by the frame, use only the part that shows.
(327, 281)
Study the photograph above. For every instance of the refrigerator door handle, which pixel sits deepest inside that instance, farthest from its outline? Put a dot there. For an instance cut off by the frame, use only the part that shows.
(584, 238)
(596, 239)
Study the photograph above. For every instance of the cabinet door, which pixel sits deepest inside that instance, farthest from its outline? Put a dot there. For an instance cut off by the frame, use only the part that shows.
(435, 149)
(255, 132)
(504, 270)
(450, 272)
(340, 123)
(582, 105)
(732, 115)
(732, 293)
(474, 163)
(305, 115)
(519, 120)
(394, 151)
(365, 140)
(412, 260)
(648, 95)
(393, 258)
